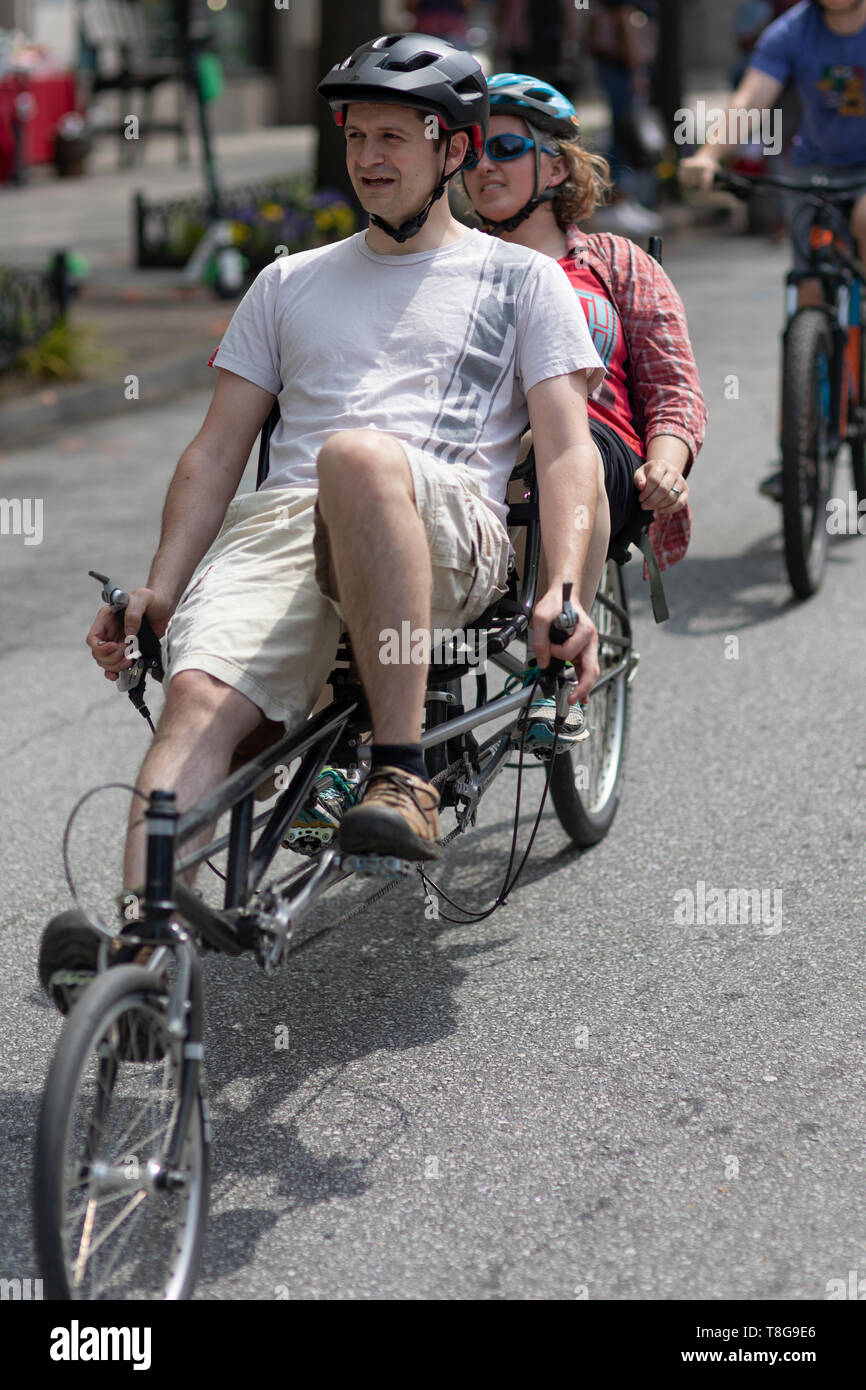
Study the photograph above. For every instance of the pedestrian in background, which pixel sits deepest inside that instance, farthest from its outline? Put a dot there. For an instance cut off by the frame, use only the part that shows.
(622, 37)
(445, 19)
(538, 36)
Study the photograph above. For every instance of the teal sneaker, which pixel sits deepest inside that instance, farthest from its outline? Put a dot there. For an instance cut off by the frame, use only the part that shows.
(318, 822)
(541, 734)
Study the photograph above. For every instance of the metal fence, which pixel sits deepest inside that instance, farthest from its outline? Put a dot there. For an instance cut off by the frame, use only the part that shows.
(31, 303)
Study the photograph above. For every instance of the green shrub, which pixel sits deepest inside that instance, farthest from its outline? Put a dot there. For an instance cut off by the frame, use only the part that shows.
(65, 353)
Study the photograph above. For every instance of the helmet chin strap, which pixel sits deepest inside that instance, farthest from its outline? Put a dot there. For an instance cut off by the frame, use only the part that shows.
(412, 225)
(494, 228)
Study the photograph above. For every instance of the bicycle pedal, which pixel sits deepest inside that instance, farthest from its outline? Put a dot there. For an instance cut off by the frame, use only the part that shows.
(373, 864)
(309, 839)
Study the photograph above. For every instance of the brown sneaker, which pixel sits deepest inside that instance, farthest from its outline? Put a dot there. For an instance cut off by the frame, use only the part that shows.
(397, 815)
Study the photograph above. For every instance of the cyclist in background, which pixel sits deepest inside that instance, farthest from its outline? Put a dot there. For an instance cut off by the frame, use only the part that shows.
(821, 46)
(750, 21)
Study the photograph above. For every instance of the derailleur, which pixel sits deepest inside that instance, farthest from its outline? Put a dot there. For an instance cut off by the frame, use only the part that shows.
(466, 790)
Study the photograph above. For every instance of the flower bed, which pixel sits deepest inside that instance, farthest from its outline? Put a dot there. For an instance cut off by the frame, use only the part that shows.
(267, 220)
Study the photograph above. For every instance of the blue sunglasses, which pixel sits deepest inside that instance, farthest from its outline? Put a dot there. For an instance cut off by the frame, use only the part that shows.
(501, 148)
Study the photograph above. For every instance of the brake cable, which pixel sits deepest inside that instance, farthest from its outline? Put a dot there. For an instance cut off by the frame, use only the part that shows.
(508, 884)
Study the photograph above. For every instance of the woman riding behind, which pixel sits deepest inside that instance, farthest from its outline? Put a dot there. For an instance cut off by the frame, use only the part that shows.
(533, 185)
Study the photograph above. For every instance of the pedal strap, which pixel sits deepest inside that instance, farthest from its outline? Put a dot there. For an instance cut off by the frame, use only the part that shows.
(661, 612)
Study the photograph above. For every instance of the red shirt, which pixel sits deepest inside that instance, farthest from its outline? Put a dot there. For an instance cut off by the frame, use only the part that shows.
(665, 389)
(610, 401)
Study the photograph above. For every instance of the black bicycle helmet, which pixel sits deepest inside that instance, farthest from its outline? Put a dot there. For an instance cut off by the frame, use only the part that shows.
(415, 70)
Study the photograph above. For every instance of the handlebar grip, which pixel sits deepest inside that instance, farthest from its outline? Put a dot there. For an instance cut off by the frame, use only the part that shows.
(556, 663)
(560, 635)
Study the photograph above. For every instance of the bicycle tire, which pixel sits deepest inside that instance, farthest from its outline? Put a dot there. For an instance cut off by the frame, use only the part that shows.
(586, 812)
(119, 1025)
(858, 446)
(807, 464)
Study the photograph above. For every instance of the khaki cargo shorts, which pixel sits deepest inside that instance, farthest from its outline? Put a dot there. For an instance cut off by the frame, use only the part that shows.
(257, 613)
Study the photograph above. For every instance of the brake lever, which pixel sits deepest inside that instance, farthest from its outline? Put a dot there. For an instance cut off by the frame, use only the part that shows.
(563, 626)
(146, 651)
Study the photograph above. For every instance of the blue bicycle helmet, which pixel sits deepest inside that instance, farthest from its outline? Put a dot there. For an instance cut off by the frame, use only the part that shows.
(516, 94)
(545, 112)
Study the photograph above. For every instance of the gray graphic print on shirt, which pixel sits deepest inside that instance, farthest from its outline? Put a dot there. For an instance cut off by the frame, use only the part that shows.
(485, 360)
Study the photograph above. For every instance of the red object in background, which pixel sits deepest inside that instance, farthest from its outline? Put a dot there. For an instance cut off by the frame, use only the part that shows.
(51, 95)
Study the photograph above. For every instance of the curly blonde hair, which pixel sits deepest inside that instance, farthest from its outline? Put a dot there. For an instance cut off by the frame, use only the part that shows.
(586, 187)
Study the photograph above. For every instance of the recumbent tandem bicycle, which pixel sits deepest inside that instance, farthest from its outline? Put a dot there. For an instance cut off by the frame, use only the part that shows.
(122, 1153)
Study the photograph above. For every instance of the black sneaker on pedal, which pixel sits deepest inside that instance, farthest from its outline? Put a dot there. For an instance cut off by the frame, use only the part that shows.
(69, 957)
(68, 964)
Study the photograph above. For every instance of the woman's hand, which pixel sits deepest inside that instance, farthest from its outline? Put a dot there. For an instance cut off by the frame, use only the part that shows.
(662, 487)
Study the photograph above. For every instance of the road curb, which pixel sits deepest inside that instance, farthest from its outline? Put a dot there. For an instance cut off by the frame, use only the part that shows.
(29, 421)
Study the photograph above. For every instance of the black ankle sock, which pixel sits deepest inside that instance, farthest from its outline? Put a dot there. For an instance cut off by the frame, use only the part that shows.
(406, 755)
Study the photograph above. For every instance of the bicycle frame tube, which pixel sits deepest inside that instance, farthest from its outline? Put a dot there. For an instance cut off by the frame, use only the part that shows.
(187, 997)
(223, 931)
(330, 721)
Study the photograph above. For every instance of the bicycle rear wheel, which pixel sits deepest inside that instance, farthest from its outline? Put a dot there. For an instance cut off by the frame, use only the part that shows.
(586, 781)
(112, 1220)
(807, 463)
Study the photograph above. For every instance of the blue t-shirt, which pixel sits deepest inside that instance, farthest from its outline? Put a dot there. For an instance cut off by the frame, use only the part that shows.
(829, 71)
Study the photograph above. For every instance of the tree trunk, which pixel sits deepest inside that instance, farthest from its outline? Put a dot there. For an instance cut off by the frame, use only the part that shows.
(346, 24)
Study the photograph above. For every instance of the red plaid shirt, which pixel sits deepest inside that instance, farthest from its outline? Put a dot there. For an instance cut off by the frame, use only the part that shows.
(666, 393)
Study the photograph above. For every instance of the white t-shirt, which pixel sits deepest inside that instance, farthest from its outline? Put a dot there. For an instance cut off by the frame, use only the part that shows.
(437, 348)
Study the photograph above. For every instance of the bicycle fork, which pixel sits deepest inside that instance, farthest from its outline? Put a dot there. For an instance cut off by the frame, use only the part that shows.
(184, 1017)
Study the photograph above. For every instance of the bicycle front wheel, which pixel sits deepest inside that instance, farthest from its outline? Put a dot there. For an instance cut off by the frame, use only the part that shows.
(807, 463)
(113, 1220)
(586, 781)
(858, 444)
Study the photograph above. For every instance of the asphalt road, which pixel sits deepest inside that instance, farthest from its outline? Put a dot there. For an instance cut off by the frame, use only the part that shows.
(584, 1095)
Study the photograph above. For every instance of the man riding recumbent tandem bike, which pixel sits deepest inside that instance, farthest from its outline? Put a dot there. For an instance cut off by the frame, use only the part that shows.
(122, 1154)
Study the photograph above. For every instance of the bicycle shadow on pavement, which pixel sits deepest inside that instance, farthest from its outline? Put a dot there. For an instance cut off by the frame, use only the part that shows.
(288, 1059)
(710, 595)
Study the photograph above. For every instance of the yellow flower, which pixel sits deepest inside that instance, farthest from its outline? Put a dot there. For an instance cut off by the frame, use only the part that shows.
(272, 212)
(324, 220)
